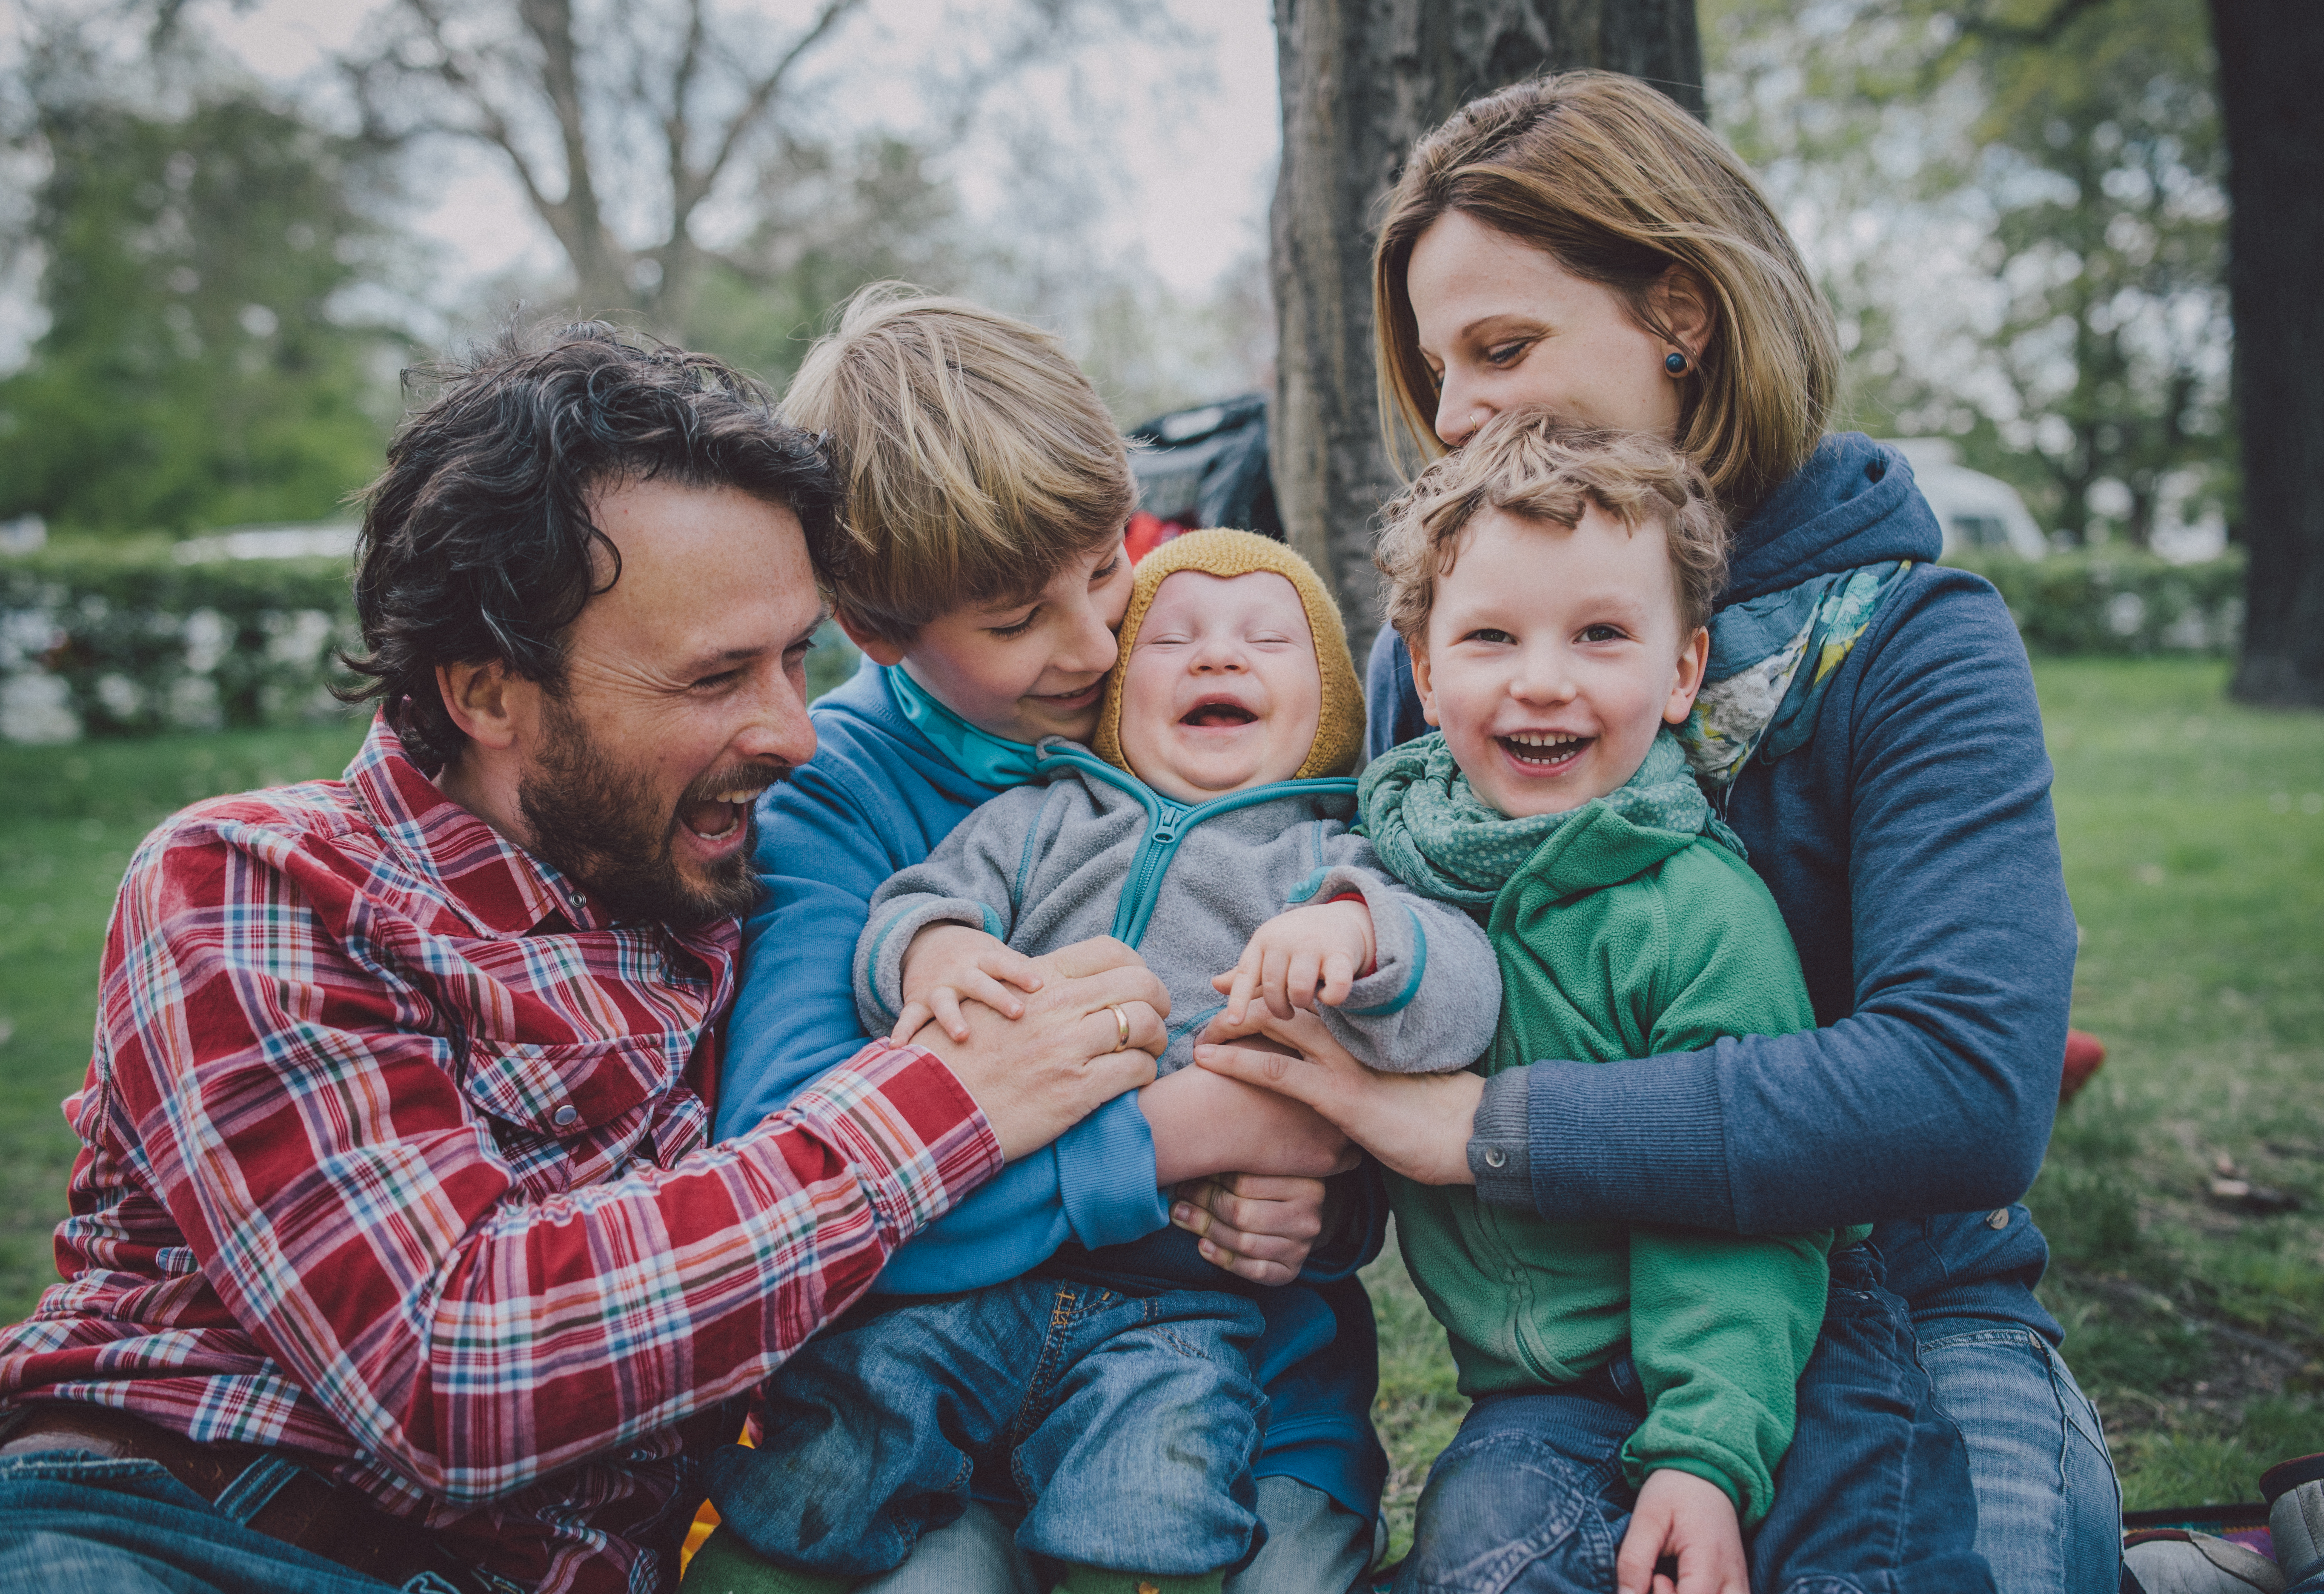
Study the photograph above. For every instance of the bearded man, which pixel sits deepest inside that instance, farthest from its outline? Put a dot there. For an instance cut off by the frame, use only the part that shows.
(398, 1254)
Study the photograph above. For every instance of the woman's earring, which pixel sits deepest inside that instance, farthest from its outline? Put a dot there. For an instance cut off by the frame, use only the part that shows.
(1675, 362)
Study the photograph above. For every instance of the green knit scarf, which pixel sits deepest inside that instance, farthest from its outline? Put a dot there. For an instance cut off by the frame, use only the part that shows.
(1435, 833)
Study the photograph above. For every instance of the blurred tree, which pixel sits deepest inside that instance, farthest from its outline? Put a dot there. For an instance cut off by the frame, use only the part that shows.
(193, 372)
(1362, 79)
(2270, 62)
(676, 149)
(2041, 184)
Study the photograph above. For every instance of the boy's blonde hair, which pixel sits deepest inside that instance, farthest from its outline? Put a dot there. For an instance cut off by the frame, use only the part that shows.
(978, 459)
(1610, 177)
(1524, 464)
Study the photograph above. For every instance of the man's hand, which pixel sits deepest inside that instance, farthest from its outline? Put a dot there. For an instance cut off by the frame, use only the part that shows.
(947, 964)
(1205, 1124)
(1254, 1226)
(1038, 1076)
(1419, 1125)
(1688, 1520)
(1327, 944)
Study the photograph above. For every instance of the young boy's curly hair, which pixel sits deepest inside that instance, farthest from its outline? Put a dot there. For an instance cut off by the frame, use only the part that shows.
(1523, 463)
(978, 459)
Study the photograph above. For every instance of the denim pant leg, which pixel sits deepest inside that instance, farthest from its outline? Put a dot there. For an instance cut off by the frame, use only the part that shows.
(1314, 1545)
(1530, 1497)
(1874, 1496)
(1147, 1420)
(75, 1523)
(872, 1427)
(976, 1553)
(2049, 1510)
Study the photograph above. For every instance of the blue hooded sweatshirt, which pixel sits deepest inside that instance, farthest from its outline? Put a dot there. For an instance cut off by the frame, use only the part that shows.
(879, 796)
(1911, 848)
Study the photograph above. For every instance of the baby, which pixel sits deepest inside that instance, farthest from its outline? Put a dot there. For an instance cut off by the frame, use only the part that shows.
(1631, 1383)
(1210, 829)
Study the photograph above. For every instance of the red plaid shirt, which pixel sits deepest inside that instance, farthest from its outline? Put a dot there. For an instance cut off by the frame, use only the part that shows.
(393, 1153)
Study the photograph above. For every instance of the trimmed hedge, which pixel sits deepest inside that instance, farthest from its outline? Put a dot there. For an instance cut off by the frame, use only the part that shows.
(2099, 601)
(122, 640)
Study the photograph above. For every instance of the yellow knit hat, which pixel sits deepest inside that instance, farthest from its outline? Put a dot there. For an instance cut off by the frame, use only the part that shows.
(1340, 730)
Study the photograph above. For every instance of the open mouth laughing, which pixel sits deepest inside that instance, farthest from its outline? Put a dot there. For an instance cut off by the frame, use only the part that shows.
(1545, 752)
(1218, 713)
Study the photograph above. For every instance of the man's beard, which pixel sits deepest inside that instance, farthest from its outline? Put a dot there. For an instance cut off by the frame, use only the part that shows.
(597, 821)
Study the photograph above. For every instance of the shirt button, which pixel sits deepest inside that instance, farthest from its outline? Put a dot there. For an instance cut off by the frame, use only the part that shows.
(1999, 1220)
(566, 1116)
(1495, 1157)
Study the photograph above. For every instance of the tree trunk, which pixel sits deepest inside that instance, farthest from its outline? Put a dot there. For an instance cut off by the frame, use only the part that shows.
(2270, 59)
(1361, 80)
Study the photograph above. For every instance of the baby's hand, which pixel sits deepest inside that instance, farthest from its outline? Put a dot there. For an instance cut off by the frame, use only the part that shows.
(947, 964)
(1689, 1520)
(1326, 944)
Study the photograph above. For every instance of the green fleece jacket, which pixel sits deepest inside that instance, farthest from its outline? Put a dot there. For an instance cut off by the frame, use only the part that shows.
(1617, 940)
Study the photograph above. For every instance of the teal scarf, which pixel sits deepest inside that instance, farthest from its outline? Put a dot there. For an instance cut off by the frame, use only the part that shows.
(984, 757)
(1434, 832)
(1772, 658)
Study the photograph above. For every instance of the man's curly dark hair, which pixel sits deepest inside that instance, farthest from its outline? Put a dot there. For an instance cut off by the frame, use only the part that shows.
(476, 542)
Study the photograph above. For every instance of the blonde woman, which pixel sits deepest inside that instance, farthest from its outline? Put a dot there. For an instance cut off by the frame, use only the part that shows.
(1869, 727)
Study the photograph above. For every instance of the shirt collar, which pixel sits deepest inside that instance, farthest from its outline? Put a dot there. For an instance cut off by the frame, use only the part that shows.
(497, 882)
(982, 756)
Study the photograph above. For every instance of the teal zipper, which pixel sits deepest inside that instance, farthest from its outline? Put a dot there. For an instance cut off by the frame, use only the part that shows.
(1167, 823)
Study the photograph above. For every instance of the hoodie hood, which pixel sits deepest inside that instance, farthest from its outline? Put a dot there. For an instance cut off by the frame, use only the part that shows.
(1852, 503)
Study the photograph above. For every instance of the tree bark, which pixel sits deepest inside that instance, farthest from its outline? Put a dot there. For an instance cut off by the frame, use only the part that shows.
(1361, 80)
(2270, 59)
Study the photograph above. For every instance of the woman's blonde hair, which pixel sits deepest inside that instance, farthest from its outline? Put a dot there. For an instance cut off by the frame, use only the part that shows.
(1523, 463)
(978, 459)
(1620, 185)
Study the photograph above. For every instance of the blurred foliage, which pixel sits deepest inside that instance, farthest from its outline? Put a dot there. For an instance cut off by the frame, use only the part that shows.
(2018, 208)
(139, 643)
(197, 369)
(2112, 600)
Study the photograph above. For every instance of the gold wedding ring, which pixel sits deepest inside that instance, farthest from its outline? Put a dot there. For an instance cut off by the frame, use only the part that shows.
(1120, 1029)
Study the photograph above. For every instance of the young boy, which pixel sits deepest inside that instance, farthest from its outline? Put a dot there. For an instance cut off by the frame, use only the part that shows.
(1555, 590)
(988, 488)
(1203, 837)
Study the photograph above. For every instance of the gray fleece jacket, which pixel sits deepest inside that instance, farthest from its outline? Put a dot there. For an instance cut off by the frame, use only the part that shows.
(1096, 851)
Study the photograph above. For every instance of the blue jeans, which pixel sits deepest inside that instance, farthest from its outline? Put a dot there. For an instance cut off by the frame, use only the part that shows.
(1873, 1497)
(1127, 1425)
(1315, 1545)
(76, 1523)
(2049, 1510)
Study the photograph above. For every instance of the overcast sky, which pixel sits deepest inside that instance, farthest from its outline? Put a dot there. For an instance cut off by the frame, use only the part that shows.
(1195, 131)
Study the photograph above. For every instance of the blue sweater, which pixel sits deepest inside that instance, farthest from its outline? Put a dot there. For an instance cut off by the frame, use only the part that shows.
(878, 797)
(1911, 848)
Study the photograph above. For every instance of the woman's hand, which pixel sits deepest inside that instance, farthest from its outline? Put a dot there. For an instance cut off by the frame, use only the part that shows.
(1419, 1125)
(1205, 1124)
(1256, 1227)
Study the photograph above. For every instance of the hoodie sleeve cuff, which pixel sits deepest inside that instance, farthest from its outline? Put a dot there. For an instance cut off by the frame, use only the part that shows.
(1497, 1148)
(880, 953)
(1105, 1176)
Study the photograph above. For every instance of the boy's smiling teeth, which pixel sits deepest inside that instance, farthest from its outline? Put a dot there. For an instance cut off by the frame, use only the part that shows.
(1544, 746)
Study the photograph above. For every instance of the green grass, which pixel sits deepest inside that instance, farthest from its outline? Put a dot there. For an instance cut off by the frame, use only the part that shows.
(2193, 833)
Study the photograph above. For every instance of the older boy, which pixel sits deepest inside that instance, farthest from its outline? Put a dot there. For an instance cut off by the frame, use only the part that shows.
(984, 576)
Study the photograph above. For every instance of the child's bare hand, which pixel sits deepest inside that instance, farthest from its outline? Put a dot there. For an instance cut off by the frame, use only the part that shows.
(949, 964)
(1688, 1520)
(1326, 944)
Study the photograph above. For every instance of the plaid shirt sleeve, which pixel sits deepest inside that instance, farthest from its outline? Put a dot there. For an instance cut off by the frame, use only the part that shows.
(463, 1205)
